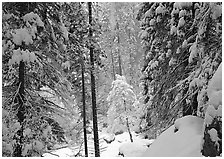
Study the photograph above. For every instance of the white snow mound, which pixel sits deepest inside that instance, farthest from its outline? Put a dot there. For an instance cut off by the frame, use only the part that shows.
(183, 139)
(134, 149)
(215, 88)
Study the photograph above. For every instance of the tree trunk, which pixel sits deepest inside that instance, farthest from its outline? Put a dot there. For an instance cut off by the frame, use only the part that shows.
(112, 60)
(131, 70)
(127, 123)
(184, 104)
(84, 108)
(21, 111)
(119, 55)
(194, 104)
(95, 126)
(129, 131)
(130, 59)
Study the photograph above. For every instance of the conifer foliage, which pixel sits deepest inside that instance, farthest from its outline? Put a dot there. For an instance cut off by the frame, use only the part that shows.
(42, 46)
(60, 58)
(182, 43)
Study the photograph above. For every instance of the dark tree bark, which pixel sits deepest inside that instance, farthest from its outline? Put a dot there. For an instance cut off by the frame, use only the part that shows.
(119, 54)
(129, 131)
(127, 123)
(95, 126)
(21, 111)
(84, 108)
(112, 60)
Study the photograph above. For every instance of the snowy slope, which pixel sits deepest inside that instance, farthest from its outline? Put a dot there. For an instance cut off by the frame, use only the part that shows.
(183, 139)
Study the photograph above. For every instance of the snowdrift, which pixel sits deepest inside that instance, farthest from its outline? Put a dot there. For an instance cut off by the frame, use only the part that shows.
(183, 139)
(215, 88)
(136, 148)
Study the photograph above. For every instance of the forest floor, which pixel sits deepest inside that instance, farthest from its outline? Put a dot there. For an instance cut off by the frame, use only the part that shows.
(107, 149)
(183, 139)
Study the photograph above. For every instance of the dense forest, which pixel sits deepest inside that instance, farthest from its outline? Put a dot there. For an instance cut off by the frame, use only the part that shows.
(76, 75)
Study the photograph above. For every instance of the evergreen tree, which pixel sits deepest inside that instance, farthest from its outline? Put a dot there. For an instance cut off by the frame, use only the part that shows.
(45, 38)
(182, 43)
(123, 106)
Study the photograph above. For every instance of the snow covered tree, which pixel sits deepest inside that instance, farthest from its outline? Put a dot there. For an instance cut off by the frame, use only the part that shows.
(123, 110)
(182, 43)
(112, 15)
(41, 38)
(17, 39)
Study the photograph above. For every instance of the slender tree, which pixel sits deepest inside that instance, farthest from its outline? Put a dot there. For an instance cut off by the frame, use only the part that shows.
(95, 126)
(84, 107)
(123, 106)
(112, 61)
(118, 50)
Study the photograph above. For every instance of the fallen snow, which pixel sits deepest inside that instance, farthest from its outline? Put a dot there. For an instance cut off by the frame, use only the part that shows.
(64, 152)
(160, 9)
(216, 11)
(215, 88)
(110, 149)
(182, 13)
(113, 148)
(108, 137)
(193, 52)
(132, 149)
(181, 22)
(173, 30)
(183, 139)
(152, 22)
(22, 35)
(214, 135)
(184, 44)
(184, 142)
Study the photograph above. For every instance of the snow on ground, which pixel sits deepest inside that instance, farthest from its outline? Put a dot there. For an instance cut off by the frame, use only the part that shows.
(135, 148)
(108, 149)
(183, 139)
(123, 145)
(132, 149)
(64, 152)
(113, 148)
